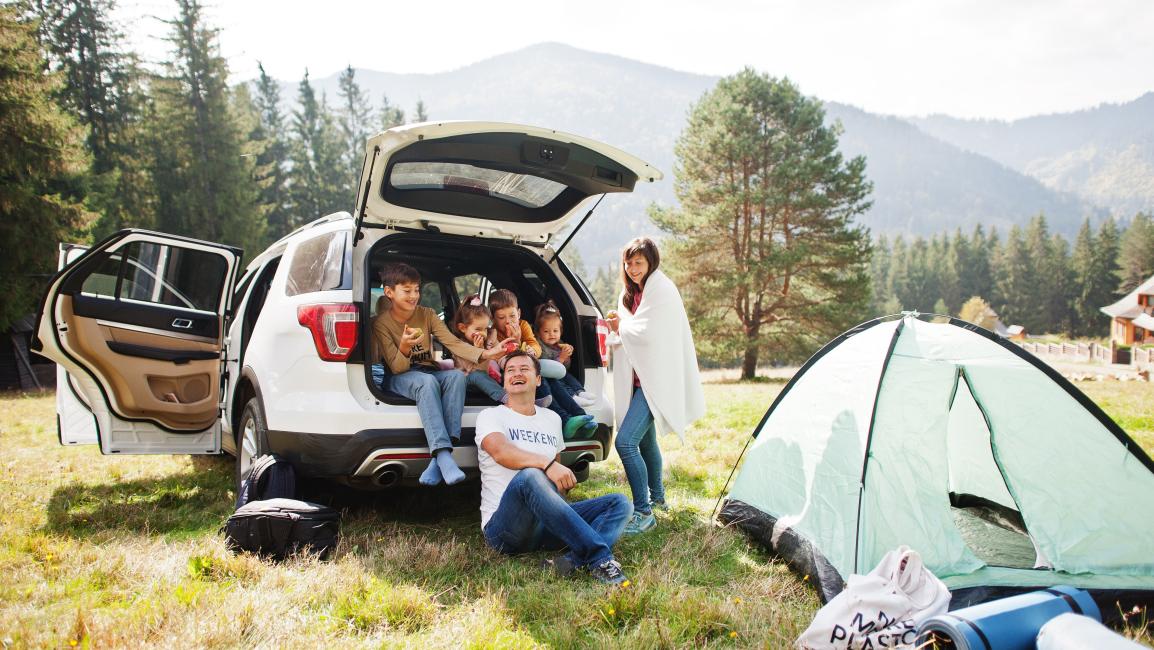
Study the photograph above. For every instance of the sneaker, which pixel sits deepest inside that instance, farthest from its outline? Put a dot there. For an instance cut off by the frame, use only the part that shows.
(640, 522)
(577, 426)
(608, 572)
(544, 402)
(660, 505)
(560, 566)
(587, 396)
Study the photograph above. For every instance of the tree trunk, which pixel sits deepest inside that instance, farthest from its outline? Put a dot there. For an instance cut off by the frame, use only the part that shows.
(749, 364)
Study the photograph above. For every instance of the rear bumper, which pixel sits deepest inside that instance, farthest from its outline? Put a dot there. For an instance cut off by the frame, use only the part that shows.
(380, 457)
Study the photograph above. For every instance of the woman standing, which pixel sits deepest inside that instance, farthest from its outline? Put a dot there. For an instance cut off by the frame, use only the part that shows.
(656, 385)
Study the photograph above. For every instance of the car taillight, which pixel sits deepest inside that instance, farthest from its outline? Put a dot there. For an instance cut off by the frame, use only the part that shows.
(334, 328)
(602, 347)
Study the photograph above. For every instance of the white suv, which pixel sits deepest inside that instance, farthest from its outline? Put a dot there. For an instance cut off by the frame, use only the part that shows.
(167, 352)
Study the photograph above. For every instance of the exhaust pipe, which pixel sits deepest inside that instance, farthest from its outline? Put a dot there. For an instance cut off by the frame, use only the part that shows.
(389, 474)
(582, 463)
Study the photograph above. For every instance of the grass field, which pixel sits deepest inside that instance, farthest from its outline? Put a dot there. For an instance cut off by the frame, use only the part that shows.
(124, 552)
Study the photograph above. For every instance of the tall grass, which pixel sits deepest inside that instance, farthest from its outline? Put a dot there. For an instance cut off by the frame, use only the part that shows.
(124, 552)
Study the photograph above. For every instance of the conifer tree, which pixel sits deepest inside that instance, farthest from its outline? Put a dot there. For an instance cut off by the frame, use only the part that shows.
(272, 156)
(764, 241)
(1136, 253)
(318, 175)
(205, 183)
(354, 116)
(104, 91)
(1093, 289)
(421, 113)
(43, 157)
(1016, 282)
(389, 115)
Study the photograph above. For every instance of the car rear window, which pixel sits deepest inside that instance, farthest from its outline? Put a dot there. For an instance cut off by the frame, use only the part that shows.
(318, 264)
(522, 189)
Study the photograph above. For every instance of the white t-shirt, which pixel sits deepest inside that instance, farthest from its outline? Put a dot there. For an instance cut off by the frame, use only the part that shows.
(539, 434)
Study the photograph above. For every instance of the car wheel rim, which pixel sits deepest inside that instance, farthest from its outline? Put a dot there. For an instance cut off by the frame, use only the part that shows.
(247, 446)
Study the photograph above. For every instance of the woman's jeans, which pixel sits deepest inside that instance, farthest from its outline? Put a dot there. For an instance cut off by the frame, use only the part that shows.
(636, 444)
(533, 515)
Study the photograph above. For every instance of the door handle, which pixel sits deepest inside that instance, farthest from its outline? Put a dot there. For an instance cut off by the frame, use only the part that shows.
(182, 323)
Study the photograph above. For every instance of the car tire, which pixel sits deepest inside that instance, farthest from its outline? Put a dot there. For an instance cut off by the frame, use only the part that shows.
(251, 438)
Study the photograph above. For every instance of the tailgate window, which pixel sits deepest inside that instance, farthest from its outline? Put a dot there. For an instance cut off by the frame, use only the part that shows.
(522, 189)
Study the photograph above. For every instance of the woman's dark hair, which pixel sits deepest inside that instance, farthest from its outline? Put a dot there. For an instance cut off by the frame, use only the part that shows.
(644, 247)
(545, 311)
(501, 299)
(470, 309)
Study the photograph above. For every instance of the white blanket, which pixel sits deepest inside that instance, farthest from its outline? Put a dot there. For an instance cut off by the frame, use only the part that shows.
(657, 344)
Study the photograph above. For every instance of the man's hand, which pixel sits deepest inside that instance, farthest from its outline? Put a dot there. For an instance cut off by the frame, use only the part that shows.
(562, 477)
(499, 350)
(409, 338)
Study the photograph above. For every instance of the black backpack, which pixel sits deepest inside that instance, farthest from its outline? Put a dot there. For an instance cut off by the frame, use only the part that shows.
(269, 477)
(278, 528)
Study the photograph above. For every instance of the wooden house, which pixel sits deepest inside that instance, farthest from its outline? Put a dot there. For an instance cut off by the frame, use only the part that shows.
(1133, 316)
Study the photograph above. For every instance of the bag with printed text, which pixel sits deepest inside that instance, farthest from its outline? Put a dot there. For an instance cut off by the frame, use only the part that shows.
(881, 609)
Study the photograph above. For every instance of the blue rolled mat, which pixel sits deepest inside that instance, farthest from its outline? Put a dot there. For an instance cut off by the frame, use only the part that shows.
(1006, 624)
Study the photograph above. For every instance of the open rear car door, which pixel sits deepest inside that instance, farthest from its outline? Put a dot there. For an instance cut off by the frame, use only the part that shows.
(138, 322)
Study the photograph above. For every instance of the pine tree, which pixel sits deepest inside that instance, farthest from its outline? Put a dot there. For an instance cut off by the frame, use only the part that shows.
(389, 115)
(1093, 280)
(880, 262)
(104, 90)
(422, 115)
(272, 156)
(43, 157)
(764, 243)
(205, 184)
(1136, 253)
(1106, 259)
(1017, 283)
(355, 113)
(318, 176)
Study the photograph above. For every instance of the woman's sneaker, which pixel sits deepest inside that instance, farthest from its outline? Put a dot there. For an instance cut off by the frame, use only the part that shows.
(584, 399)
(608, 572)
(660, 505)
(640, 522)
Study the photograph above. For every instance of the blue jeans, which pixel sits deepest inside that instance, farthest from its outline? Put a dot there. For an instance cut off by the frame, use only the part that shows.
(534, 516)
(636, 444)
(562, 403)
(571, 384)
(440, 398)
(481, 380)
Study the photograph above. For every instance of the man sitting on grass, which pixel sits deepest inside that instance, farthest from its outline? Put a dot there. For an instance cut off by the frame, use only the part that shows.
(522, 507)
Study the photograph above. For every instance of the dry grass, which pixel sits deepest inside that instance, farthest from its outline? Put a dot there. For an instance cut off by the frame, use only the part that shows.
(124, 552)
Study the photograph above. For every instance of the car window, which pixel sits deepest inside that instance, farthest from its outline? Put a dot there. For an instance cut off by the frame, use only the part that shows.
(170, 276)
(472, 283)
(101, 283)
(522, 189)
(318, 264)
(431, 297)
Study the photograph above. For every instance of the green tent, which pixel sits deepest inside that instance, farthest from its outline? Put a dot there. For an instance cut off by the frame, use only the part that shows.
(942, 436)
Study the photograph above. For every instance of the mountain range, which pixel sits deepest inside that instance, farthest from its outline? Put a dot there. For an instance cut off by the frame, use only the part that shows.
(931, 174)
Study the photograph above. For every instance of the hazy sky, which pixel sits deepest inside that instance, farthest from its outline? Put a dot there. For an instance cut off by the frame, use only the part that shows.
(969, 58)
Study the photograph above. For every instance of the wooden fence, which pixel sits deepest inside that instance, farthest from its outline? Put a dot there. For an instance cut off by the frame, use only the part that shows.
(1137, 358)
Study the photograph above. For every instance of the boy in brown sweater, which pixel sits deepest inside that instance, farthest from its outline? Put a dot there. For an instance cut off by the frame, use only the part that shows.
(403, 337)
